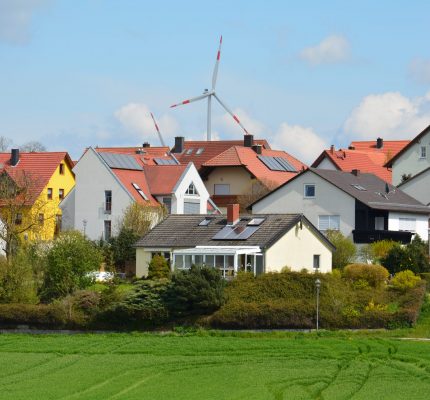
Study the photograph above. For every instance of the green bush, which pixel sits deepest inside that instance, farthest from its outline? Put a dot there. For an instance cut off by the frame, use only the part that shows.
(413, 256)
(360, 274)
(158, 268)
(41, 315)
(199, 290)
(122, 247)
(69, 263)
(377, 251)
(345, 251)
(404, 280)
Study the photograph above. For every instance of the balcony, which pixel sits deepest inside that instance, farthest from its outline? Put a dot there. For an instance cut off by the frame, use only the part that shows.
(365, 236)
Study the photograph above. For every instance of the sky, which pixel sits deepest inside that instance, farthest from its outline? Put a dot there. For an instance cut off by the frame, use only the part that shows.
(304, 75)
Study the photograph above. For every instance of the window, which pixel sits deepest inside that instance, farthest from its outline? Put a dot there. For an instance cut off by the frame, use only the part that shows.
(189, 151)
(221, 189)
(61, 169)
(108, 201)
(316, 262)
(326, 222)
(41, 219)
(167, 201)
(423, 152)
(199, 151)
(191, 189)
(61, 194)
(191, 208)
(108, 229)
(18, 219)
(309, 191)
(358, 187)
(49, 193)
(407, 224)
(379, 223)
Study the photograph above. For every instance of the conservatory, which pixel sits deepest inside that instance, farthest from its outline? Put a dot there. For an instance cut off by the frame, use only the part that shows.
(228, 259)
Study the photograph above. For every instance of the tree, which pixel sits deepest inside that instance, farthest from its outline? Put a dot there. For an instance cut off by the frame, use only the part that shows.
(158, 268)
(345, 249)
(32, 147)
(22, 210)
(258, 189)
(4, 144)
(70, 261)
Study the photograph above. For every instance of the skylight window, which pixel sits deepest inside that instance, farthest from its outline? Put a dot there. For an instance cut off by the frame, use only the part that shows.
(359, 187)
(256, 222)
(139, 190)
(199, 151)
(189, 151)
(205, 222)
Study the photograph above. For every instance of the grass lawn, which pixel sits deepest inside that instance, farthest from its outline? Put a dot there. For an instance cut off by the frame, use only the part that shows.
(212, 365)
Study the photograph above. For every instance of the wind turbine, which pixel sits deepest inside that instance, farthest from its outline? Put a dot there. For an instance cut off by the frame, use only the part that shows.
(211, 93)
(158, 131)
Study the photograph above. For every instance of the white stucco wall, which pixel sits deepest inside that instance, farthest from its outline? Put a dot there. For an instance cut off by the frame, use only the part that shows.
(326, 164)
(410, 162)
(421, 223)
(328, 200)
(296, 250)
(238, 178)
(93, 177)
(419, 187)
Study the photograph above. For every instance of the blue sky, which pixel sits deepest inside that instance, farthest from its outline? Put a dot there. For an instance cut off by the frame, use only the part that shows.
(302, 74)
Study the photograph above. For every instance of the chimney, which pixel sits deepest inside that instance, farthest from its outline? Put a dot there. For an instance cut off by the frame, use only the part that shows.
(332, 149)
(257, 148)
(355, 172)
(145, 145)
(248, 140)
(14, 157)
(379, 143)
(179, 144)
(232, 214)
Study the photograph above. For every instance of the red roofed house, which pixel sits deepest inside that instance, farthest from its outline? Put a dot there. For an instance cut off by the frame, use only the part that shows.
(367, 156)
(238, 171)
(29, 207)
(110, 179)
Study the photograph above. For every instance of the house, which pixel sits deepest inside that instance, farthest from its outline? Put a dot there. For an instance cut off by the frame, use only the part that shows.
(108, 181)
(241, 172)
(412, 159)
(362, 206)
(367, 156)
(32, 186)
(418, 186)
(263, 243)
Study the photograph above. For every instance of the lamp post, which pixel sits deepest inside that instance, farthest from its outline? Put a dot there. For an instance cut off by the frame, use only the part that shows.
(318, 285)
(84, 223)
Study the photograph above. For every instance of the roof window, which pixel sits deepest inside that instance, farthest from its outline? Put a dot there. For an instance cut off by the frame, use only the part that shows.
(206, 221)
(359, 187)
(139, 190)
(256, 221)
(200, 151)
(189, 151)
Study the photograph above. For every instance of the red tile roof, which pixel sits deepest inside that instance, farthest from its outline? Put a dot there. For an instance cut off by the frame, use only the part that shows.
(248, 158)
(39, 166)
(390, 147)
(162, 179)
(365, 161)
(209, 150)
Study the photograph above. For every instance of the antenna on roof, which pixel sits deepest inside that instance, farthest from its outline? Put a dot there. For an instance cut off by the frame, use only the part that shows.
(158, 131)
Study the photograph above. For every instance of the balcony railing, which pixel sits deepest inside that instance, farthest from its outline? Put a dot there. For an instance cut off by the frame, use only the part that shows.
(366, 236)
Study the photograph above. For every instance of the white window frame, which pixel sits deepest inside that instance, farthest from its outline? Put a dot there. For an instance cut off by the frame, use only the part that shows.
(192, 190)
(305, 186)
(330, 223)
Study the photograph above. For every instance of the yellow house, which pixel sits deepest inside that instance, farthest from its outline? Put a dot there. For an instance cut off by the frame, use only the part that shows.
(31, 187)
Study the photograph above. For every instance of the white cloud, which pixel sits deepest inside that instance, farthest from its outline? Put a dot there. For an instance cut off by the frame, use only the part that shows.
(389, 115)
(230, 126)
(419, 70)
(332, 49)
(137, 121)
(15, 19)
(302, 143)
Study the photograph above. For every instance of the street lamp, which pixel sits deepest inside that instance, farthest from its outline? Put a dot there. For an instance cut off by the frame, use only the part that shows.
(318, 285)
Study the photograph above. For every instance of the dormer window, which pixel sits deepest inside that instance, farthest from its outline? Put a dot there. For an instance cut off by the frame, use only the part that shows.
(191, 190)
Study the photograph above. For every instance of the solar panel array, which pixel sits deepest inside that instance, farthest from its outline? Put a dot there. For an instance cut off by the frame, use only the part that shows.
(121, 161)
(236, 233)
(165, 161)
(277, 164)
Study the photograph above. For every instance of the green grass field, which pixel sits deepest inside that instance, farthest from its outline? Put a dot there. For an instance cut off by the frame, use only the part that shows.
(212, 366)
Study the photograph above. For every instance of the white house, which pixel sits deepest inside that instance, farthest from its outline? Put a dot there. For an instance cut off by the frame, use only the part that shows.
(107, 182)
(418, 186)
(362, 206)
(265, 243)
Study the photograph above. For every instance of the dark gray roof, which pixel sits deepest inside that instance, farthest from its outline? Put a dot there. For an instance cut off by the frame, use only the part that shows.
(375, 196)
(184, 231)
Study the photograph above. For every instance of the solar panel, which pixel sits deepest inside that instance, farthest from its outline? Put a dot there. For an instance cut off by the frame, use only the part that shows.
(120, 161)
(271, 163)
(236, 233)
(164, 161)
(284, 163)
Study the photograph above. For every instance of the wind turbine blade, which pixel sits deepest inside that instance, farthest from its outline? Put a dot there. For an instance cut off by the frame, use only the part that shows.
(192, 99)
(158, 131)
(233, 115)
(215, 74)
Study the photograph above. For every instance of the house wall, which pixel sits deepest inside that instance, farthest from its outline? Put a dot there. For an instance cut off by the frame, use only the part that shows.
(410, 162)
(328, 200)
(422, 224)
(326, 164)
(418, 187)
(93, 177)
(296, 250)
(239, 179)
(143, 258)
(68, 211)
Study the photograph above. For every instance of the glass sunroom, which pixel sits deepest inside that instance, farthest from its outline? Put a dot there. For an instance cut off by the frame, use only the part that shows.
(228, 259)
